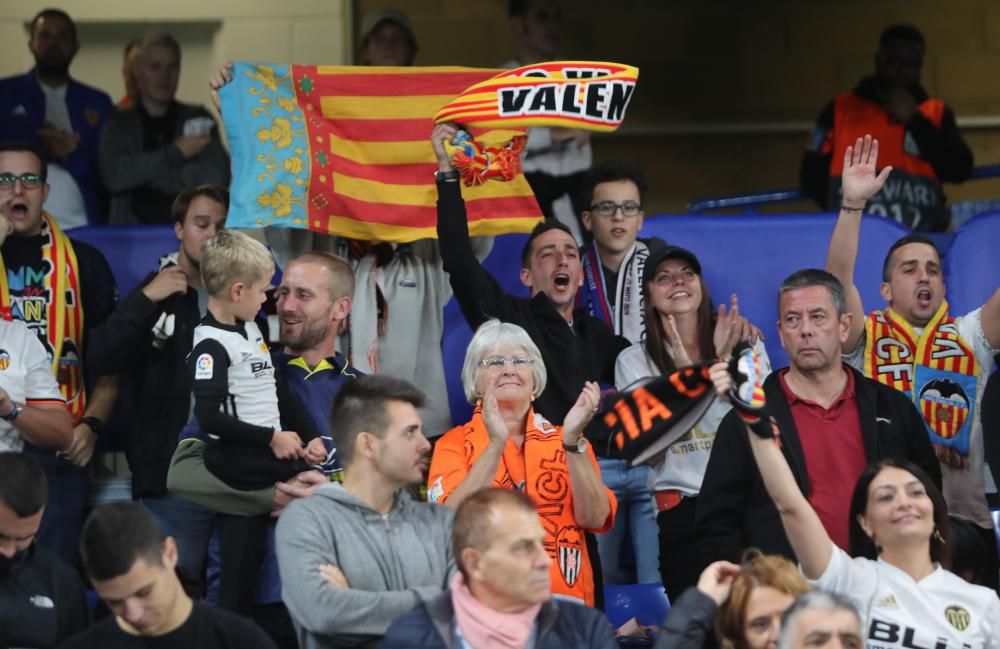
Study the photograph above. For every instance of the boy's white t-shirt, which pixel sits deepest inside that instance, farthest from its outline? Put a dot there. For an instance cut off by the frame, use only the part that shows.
(253, 397)
(941, 611)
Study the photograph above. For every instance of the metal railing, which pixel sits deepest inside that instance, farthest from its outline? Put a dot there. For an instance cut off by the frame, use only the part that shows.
(748, 203)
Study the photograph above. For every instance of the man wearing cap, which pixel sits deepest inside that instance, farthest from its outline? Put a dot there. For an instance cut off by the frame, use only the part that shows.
(833, 420)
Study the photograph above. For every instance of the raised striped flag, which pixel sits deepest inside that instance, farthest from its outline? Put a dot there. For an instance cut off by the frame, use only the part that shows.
(346, 150)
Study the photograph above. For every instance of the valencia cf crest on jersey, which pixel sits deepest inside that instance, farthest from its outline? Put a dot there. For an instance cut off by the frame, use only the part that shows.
(570, 555)
(958, 617)
(4, 360)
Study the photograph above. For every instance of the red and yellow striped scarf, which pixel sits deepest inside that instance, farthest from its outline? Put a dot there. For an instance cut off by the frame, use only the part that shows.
(63, 312)
(937, 369)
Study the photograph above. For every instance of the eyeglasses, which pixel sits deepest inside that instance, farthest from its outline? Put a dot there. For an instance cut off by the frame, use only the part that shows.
(667, 277)
(608, 208)
(28, 181)
(497, 363)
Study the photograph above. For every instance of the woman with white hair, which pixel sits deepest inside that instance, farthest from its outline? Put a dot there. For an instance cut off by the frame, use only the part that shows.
(506, 444)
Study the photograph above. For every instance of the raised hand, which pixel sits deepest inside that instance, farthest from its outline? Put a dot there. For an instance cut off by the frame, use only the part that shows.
(439, 135)
(728, 328)
(859, 178)
(496, 427)
(581, 413)
(221, 77)
(681, 358)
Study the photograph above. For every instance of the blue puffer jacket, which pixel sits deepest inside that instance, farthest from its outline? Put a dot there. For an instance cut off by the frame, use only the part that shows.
(560, 625)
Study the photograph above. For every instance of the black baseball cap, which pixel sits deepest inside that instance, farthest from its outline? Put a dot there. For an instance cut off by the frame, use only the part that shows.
(662, 255)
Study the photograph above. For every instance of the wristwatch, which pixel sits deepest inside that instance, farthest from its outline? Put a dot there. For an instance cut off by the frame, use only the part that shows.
(446, 176)
(94, 424)
(580, 447)
(12, 415)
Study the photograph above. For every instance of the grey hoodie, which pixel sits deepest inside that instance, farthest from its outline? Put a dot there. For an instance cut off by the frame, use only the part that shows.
(391, 562)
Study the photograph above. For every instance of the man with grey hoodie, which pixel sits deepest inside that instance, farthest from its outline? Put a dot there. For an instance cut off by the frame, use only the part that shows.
(360, 553)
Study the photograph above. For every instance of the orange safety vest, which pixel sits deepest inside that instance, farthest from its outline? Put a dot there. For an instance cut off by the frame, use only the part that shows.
(539, 469)
(912, 194)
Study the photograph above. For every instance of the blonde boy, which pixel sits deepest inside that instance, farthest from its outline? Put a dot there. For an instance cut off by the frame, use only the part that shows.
(236, 403)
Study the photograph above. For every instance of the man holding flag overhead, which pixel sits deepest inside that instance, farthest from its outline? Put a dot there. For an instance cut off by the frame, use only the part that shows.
(587, 95)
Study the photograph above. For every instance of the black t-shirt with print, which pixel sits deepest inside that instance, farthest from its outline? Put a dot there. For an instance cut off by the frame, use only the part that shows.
(26, 272)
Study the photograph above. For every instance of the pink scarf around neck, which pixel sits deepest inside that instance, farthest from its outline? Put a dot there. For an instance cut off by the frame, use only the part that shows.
(484, 628)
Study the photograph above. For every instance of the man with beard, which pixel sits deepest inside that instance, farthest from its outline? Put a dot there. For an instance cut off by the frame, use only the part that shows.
(42, 601)
(47, 108)
(939, 360)
(314, 299)
(146, 341)
(918, 133)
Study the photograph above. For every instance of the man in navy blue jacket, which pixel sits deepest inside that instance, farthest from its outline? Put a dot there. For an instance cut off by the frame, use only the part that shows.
(502, 591)
(63, 117)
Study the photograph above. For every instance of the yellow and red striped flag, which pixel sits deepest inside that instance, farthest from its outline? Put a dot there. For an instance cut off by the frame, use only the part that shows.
(346, 150)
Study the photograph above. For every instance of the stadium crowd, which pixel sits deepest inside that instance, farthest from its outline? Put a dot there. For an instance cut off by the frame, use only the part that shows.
(315, 492)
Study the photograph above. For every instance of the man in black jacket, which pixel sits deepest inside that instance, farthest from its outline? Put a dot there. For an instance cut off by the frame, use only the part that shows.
(42, 601)
(575, 346)
(146, 341)
(833, 423)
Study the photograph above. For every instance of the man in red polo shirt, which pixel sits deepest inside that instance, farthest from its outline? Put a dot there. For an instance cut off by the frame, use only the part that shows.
(833, 422)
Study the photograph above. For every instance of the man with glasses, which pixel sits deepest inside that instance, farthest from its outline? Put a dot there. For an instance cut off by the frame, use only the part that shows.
(613, 261)
(60, 288)
(613, 266)
(62, 116)
(42, 601)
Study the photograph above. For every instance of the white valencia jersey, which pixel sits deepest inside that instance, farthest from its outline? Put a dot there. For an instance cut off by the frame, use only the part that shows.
(941, 611)
(25, 374)
(236, 359)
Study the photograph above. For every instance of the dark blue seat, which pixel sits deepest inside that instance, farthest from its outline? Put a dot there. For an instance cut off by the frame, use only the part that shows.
(131, 250)
(751, 255)
(647, 603)
(972, 270)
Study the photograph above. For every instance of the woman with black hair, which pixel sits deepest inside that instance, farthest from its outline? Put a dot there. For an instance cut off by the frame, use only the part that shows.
(899, 538)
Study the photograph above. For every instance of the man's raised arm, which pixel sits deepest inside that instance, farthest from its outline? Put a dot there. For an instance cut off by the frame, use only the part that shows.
(860, 183)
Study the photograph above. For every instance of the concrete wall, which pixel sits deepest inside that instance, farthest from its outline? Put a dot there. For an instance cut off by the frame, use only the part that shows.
(210, 33)
(710, 65)
(726, 92)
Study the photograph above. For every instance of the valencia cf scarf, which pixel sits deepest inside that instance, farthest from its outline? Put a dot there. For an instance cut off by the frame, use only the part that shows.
(937, 369)
(643, 423)
(625, 319)
(64, 312)
(540, 471)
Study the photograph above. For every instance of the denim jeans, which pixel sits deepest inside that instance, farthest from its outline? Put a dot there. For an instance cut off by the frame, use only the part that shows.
(191, 527)
(635, 514)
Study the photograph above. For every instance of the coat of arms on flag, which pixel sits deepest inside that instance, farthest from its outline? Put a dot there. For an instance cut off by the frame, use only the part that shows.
(345, 150)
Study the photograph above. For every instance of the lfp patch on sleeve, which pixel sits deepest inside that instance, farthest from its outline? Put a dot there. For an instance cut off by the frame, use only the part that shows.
(203, 367)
